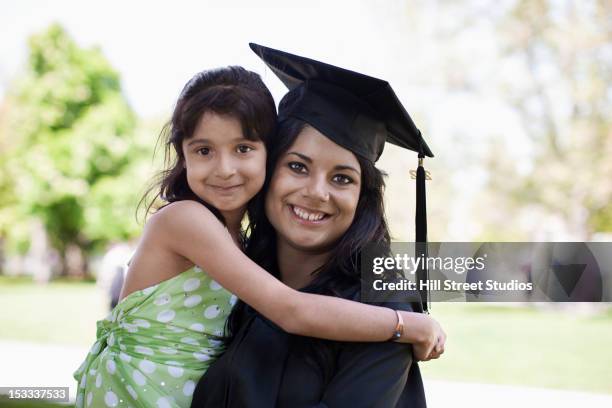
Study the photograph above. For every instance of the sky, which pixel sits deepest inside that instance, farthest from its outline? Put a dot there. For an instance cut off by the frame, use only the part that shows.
(158, 46)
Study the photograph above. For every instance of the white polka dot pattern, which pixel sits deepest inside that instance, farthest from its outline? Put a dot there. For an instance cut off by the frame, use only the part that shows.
(156, 344)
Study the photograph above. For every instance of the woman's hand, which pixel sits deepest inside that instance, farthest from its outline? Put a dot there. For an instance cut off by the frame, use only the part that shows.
(425, 334)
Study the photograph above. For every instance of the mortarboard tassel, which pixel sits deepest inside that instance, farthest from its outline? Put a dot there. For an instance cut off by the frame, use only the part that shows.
(421, 234)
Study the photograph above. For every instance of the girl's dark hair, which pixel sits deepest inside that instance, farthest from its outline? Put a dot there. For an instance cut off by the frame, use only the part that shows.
(231, 91)
(340, 275)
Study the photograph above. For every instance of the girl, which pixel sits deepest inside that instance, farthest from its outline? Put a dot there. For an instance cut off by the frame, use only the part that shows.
(165, 332)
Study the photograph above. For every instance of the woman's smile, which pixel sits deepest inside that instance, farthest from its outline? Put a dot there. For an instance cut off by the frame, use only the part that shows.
(306, 216)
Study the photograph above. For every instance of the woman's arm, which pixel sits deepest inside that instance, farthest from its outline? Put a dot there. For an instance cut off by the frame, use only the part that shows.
(192, 231)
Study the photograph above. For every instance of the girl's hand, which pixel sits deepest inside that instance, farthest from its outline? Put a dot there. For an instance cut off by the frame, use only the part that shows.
(425, 334)
(438, 350)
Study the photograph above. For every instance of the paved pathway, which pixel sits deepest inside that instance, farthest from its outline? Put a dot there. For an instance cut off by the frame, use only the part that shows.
(472, 395)
(28, 364)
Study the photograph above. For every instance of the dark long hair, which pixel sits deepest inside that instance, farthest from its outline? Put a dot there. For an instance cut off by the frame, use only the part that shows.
(231, 91)
(340, 275)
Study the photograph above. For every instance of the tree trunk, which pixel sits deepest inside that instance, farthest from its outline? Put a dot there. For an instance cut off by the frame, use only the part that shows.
(37, 259)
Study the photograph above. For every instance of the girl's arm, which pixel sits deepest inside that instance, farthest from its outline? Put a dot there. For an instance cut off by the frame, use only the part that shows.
(192, 231)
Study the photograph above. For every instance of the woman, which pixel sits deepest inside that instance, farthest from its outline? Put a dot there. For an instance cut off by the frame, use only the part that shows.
(324, 200)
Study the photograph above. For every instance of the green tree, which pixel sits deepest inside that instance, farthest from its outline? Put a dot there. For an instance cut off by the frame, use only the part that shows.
(549, 62)
(68, 146)
(565, 105)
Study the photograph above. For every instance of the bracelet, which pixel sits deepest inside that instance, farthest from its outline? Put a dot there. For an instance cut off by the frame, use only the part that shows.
(399, 329)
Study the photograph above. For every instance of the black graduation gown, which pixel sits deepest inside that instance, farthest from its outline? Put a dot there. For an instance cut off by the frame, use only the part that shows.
(266, 367)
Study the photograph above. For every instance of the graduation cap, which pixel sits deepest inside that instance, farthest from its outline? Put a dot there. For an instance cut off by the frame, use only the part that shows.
(356, 111)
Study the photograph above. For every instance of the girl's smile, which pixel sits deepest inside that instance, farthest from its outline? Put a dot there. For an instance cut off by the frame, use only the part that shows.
(231, 189)
(224, 168)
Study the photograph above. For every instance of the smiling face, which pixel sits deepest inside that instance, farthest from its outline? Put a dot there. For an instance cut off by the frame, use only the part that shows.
(313, 192)
(223, 168)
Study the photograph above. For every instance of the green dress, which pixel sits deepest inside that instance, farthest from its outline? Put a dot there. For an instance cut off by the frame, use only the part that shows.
(154, 346)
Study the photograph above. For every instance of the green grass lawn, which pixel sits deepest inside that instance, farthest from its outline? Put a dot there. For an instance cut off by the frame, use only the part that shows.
(524, 346)
(486, 343)
(61, 312)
